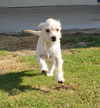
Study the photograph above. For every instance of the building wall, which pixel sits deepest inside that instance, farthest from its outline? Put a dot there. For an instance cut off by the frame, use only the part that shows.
(27, 3)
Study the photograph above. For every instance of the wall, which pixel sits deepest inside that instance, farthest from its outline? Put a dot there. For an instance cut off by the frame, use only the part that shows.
(27, 3)
(71, 17)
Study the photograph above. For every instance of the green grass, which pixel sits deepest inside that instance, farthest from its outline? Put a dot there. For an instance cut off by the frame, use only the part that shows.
(29, 59)
(31, 89)
(4, 53)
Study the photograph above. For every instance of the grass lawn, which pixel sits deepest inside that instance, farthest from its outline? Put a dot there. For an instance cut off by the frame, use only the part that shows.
(23, 86)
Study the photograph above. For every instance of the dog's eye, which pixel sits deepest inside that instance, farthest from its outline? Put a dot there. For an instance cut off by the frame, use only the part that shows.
(47, 30)
(57, 29)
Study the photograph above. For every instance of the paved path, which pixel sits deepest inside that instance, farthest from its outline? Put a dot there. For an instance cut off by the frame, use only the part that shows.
(72, 17)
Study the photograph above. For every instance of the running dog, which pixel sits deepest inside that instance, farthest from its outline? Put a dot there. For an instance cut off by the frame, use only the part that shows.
(48, 46)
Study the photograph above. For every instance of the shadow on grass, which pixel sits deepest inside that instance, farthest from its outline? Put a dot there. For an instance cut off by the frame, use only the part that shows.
(10, 82)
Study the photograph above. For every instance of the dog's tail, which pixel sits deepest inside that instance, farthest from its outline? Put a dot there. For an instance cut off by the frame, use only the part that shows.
(33, 32)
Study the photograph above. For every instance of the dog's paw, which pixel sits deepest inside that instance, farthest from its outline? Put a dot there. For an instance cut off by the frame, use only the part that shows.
(44, 71)
(49, 74)
(60, 81)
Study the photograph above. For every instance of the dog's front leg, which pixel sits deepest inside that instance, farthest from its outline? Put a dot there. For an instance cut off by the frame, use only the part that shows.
(59, 74)
(52, 68)
(42, 63)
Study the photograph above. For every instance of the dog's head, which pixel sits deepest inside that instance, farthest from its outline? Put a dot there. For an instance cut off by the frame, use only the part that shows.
(51, 30)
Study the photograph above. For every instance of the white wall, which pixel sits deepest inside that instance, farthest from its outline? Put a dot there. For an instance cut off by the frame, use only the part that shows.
(26, 3)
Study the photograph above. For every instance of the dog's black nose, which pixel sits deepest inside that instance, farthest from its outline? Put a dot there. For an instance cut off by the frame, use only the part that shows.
(53, 38)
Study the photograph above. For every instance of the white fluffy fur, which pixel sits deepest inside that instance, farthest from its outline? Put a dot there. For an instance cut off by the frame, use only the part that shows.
(46, 48)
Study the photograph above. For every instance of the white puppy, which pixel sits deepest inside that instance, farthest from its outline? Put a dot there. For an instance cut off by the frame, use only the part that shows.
(48, 46)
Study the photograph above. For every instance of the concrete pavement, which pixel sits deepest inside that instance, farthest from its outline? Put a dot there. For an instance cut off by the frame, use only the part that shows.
(72, 17)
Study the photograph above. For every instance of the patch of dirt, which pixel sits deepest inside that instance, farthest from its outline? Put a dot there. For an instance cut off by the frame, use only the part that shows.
(12, 63)
(24, 53)
(67, 52)
(42, 89)
(66, 86)
(18, 43)
(58, 87)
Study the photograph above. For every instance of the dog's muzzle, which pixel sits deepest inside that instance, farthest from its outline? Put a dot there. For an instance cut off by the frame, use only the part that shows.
(53, 38)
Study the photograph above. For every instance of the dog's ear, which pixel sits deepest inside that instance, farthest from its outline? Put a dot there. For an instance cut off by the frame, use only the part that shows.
(59, 22)
(41, 25)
